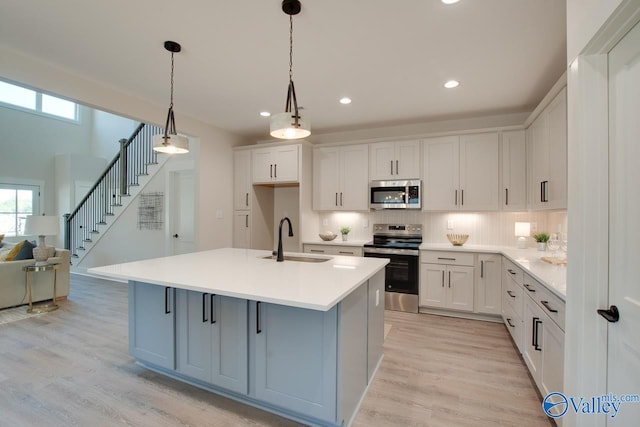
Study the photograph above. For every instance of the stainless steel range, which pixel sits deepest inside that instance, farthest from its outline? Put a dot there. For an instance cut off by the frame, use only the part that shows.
(400, 243)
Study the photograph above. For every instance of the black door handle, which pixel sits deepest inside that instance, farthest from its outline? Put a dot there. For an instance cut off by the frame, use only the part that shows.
(258, 326)
(204, 308)
(212, 307)
(176, 236)
(612, 315)
(167, 309)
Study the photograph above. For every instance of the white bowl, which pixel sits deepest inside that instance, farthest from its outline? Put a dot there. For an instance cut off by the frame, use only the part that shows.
(457, 239)
(327, 236)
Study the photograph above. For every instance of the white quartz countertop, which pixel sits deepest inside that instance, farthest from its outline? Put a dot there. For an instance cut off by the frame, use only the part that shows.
(244, 273)
(336, 242)
(553, 277)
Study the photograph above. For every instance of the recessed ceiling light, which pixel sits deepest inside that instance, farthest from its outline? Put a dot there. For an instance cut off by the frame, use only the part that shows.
(451, 84)
(345, 100)
(265, 113)
(450, 1)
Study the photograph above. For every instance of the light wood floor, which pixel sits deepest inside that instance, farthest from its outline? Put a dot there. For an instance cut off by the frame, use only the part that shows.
(71, 368)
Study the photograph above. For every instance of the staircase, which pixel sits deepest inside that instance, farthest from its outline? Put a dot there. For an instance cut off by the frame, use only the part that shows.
(113, 191)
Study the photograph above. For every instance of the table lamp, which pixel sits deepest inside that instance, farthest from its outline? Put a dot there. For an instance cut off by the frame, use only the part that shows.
(41, 226)
(523, 230)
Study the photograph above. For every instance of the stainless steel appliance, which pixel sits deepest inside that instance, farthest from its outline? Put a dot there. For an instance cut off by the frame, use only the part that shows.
(400, 243)
(403, 194)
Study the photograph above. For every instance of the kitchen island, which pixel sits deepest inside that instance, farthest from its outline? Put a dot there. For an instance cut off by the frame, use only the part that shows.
(301, 338)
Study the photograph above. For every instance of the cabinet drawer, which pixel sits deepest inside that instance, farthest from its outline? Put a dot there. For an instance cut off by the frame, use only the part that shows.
(512, 295)
(553, 306)
(448, 258)
(513, 322)
(513, 271)
(334, 250)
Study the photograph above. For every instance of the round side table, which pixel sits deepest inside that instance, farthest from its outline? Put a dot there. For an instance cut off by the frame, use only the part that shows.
(47, 306)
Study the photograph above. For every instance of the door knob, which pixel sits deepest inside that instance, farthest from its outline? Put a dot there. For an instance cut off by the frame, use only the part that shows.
(175, 236)
(612, 315)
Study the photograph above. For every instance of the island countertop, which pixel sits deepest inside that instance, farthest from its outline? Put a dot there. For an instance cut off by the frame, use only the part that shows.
(244, 273)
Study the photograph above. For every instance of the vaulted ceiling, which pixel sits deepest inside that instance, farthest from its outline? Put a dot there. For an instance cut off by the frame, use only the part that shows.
(391, 57)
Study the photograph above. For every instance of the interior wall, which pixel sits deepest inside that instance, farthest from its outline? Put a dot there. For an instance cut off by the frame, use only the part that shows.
(484, 228)
(286, 204)
(107, 130)
(214, 159)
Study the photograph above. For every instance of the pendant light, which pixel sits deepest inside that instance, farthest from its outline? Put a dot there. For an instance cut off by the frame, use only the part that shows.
(291, 124)
(170, 142)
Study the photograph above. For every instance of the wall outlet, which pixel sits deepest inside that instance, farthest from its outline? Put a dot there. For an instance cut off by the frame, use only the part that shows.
(450, 224)
(325, 222)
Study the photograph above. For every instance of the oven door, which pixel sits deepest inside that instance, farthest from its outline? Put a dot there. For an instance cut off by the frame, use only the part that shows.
(401, 274)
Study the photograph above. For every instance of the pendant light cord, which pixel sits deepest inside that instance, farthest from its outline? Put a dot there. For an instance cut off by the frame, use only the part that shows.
(290, 47)
(171, 99)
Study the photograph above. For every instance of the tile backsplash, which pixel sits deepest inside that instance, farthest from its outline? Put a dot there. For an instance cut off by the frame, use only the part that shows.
(484, 228)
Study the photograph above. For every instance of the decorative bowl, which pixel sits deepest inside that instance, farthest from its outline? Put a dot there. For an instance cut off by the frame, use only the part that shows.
(327, 235)
(457, 239)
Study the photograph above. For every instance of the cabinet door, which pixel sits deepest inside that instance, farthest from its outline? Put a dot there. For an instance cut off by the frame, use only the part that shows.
(514, 171)
(557, 123)
(193, 337)
(539, 149)
(432, 285)
(382, 161)
(441, 177)
(229, 352)
(533, 338)
(488, 293)
(242, 229)
(152, 324)
(552, 358)
(262, 165)
(479, 172)
(326, 178)
(285, 163)
(459, 288)
(242, 179)
(408, 160)
(295, 358)
(354, 178)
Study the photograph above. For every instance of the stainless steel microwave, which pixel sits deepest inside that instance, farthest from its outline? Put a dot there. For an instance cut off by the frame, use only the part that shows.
(403, 194)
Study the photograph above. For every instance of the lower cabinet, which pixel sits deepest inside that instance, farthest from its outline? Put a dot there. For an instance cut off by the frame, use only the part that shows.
(294, 348)
(242, 229)
(488, 296)
(211, 339)
(152, 324)
(446, 286)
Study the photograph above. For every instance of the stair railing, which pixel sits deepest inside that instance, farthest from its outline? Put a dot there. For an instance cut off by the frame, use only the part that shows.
(135, 154)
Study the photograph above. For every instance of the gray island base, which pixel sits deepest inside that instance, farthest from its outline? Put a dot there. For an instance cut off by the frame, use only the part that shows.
(311, 365)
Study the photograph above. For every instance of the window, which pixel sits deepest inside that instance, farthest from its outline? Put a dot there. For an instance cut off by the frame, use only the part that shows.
(16, 202)
(27, 99)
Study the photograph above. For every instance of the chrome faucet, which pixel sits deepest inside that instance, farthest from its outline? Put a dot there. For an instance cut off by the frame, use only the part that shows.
(280, 254)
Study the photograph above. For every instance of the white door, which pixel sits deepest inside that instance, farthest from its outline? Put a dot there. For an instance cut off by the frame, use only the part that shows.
(182, 212)
(408, 159)
(382, 157)
(460, 288)
(354, 178)
(441, 178)
(242, 229)
(623, 376)
(326, 178)
(432, 285)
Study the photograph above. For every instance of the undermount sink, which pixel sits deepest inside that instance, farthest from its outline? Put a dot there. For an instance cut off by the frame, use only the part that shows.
(298, 258)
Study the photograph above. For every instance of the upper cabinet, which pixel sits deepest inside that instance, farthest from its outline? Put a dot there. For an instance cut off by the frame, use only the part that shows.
(242, 180)
(395, 160)
(461, 173)
(340, 178)
(547, 140)
(514, 171)
(276, 164)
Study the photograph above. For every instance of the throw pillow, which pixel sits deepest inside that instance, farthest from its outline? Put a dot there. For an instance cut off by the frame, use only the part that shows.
(4, 253)
(13, 252)
(26, 251)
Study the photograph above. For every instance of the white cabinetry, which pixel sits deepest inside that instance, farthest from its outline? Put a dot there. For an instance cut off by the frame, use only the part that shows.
(242, 229)
(446, 280)
(242, 180)
(342, 250)
(513, 301)
(488, 295)
(547, 140)
(461, 173)
(275, 164)
(341, 178)
(514, 171)
(395, 160)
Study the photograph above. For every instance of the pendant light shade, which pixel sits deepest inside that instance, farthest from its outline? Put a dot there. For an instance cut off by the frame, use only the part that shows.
(170, 142)
(291, 124)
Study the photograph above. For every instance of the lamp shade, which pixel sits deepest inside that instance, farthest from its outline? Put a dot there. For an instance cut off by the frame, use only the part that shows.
(522, 229)
(41, 225)
(282, 126)
(173, 144)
